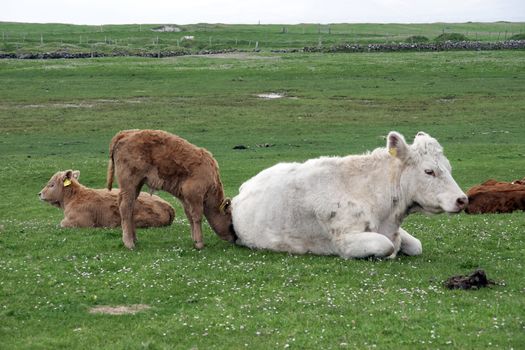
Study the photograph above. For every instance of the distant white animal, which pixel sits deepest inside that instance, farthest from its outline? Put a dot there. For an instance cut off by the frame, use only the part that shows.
(188, 37)
(350, 206)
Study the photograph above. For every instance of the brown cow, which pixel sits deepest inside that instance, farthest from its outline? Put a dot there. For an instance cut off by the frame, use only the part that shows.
(165, 161)
(86, 207)
(496, 197)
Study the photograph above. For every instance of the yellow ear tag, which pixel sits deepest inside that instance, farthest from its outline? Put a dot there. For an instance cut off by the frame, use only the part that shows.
(393, 151)
(67, 182)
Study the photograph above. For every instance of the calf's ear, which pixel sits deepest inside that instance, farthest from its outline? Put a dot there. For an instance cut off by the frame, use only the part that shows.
(396, 145)
(68, 174)
(76, 174)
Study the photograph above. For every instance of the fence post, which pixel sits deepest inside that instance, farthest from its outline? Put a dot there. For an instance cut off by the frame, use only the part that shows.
(41, 39)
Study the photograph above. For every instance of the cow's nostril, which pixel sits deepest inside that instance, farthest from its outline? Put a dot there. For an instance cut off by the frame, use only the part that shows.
(462, 201)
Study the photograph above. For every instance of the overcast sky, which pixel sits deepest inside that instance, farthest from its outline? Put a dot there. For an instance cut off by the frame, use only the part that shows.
(265, 11)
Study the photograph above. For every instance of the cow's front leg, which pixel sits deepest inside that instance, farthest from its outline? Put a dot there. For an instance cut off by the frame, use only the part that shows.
(410, 245)
(194, 214)
(67, 223)
(364, 245)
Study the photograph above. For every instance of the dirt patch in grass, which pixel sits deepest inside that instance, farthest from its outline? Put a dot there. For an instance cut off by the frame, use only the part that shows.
(237, 55)
(119, 310)
(270, 96)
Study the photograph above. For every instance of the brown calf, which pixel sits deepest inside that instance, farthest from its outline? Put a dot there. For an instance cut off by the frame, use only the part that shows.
(496, 197)
(167, 162)
(86, 207)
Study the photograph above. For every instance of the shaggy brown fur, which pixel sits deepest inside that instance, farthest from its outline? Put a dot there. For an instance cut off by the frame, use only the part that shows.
(496, 197)
(86, 207)
(167, 162)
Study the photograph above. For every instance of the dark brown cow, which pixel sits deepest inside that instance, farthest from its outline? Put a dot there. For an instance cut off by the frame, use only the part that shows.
(496, 197)
(167, 162)
(87, 207)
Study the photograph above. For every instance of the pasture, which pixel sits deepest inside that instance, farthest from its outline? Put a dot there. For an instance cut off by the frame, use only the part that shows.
(136, 38)
(61, 114)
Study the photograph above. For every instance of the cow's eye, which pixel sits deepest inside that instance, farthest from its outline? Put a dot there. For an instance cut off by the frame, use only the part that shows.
(430, 172)
(51, 185)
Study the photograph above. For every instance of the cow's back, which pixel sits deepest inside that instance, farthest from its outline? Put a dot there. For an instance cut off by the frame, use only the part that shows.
(496, 197)
(281, 201)
(164, 159)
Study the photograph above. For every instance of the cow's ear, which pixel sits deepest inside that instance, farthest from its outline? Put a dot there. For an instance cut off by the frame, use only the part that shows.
(396, 145)
(76, 174)
(68, 174)
(225, 207)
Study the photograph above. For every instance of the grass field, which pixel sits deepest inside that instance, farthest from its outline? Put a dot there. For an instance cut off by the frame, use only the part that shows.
(24, 38)
(61, 114)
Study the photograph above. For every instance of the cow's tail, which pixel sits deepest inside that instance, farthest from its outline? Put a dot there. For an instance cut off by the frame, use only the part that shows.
(111, 162)
(111, 172)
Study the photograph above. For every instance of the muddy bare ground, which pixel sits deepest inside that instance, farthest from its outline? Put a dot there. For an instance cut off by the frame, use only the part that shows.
(119, 310)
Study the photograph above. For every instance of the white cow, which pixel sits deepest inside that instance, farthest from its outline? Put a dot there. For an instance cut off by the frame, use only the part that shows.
(350, 206)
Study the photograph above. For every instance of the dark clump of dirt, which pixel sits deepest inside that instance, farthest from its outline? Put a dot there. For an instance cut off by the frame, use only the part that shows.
(475, 280)
(240, 147)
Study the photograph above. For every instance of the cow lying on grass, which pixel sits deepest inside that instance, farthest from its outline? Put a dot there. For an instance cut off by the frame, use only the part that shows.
(349, 206)
(496, 197)
(165, 161)
(86, 207)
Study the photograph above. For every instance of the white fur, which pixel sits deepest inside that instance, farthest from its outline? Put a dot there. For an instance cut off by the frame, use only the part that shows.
(349, 206)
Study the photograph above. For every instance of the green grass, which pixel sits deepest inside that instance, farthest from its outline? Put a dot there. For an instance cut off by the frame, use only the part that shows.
(25, 38)
(61, 114)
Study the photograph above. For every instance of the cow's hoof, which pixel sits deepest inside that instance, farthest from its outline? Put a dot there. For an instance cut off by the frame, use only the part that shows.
(199, 245)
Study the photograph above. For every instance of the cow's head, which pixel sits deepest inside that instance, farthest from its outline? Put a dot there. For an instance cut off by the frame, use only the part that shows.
(426, 175)
(53, 192)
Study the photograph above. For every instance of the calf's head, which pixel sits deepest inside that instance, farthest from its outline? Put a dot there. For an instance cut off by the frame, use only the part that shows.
(53, 192)
(426, 176)
(225, 229)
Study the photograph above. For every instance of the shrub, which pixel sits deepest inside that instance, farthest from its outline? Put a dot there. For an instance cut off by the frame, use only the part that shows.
(520, 36)
(451, 37)
(416, 39)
